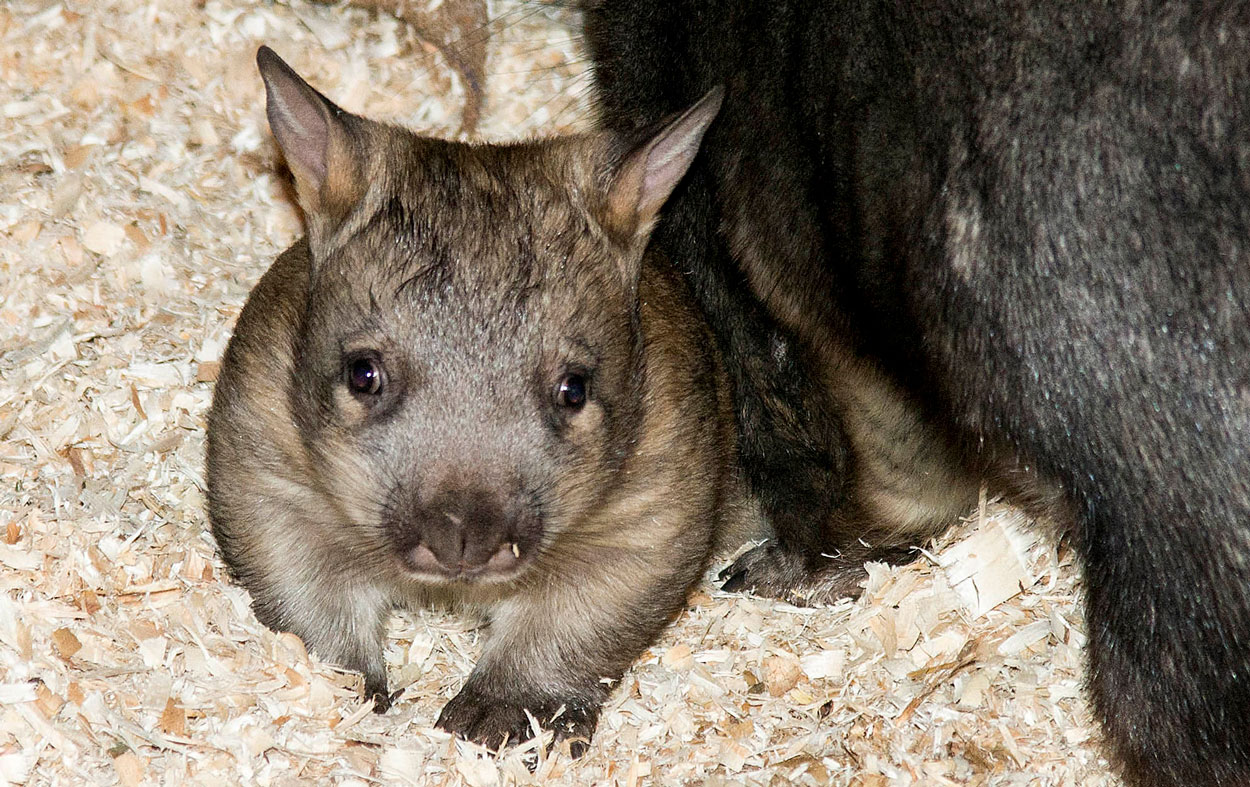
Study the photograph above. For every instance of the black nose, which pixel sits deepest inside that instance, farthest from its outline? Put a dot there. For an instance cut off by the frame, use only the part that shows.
(468, 532)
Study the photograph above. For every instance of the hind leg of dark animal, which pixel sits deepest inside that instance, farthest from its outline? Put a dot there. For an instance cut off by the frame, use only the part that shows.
(809, 455)
(846, 473)
(796, 458)
(1169, 648)
(866, 478)
(792, 447)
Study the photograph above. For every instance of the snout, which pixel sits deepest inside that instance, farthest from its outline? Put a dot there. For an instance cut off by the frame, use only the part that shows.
(469, 533)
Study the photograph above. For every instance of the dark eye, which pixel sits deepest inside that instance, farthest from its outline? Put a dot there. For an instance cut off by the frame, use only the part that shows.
(572, 391)
(364, 376)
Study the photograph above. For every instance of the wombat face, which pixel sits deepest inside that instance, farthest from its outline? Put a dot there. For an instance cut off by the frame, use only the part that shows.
(463, 390)
(461, 395)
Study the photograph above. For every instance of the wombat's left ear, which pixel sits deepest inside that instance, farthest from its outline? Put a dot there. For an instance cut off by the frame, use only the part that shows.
(646, 177)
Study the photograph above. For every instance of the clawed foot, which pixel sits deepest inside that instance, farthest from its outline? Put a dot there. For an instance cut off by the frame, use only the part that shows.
(382, 700)
(769, 570)
(496, 722)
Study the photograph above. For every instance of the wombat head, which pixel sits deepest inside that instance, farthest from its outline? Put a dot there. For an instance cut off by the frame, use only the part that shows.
(468, 368)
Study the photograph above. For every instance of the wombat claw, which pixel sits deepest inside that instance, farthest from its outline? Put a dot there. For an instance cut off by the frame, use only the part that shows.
(496, 722)
(767, 570)
(771, 570)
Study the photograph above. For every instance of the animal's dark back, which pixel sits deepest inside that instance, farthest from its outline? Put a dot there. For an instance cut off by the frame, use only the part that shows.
(1035, 216)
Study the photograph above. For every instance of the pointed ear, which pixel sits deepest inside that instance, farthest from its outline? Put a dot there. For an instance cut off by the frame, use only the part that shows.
(647, 176)
(316, 139)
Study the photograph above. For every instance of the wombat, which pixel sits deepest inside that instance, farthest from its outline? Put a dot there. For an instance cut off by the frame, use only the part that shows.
(1034, 220)
(469, 385)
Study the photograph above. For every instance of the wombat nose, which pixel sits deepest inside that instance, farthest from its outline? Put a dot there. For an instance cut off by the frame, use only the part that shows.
(466, 534)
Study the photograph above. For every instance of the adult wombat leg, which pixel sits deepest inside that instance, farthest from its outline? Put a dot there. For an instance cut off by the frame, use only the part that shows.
(792, 441)
(899, 480)
(792, 446)
(795, 454)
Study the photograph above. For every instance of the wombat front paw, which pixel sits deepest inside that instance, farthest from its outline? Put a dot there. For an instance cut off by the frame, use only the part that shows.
(496, 722)
(376, 691)
(769, 570)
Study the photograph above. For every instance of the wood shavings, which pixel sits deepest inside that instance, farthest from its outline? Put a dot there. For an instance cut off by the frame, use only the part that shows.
(129, 769)
(991, 565)
(822, 664)
(142, 201)
(678, 657)
(104, 238)
(781, 673)
(19, 559)
(67, 645)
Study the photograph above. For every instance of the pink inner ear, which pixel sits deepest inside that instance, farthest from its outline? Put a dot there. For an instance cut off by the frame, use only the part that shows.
(666, 158)
(301, 130)
(666, 164)
(298, 116)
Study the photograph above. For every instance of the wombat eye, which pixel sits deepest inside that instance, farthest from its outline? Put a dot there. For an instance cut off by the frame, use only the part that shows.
(364, 376)
(571, 392)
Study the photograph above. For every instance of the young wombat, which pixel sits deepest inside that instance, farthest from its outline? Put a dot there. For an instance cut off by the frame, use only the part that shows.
(1032, 218)
(469, 384)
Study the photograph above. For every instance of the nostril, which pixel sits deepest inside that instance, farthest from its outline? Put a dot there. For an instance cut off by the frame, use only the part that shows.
(422, 558)
(502, 560)
(506, 557)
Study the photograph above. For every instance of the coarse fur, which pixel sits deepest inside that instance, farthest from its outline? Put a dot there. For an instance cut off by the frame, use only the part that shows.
(1034, 220)
(846, 462)
(469, 385)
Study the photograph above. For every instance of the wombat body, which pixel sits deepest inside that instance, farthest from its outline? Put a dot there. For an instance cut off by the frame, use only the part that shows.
(470, 385)
(1033, 219)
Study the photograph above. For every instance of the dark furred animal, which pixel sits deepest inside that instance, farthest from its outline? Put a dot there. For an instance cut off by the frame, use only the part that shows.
(468, 384)
(1033, 218)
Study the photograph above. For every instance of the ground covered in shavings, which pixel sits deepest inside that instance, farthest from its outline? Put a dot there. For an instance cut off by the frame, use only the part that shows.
(139, 201)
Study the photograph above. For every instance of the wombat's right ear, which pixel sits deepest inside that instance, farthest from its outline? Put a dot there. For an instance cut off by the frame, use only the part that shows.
(316, 139)
(646, 177)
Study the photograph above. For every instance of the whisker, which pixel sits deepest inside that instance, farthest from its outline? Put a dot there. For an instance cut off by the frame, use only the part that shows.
(548, 71)
(487, 29)
(546, 46)
(570, 101)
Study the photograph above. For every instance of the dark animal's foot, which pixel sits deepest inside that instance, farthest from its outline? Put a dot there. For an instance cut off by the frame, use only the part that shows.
(496, 722)
(769, 570)
(382, 700)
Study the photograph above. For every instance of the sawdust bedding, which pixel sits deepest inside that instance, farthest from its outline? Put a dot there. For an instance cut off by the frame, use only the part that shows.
(139, 201)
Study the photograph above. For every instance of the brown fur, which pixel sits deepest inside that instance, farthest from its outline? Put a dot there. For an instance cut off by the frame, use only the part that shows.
(904, 482)
(475, 276)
